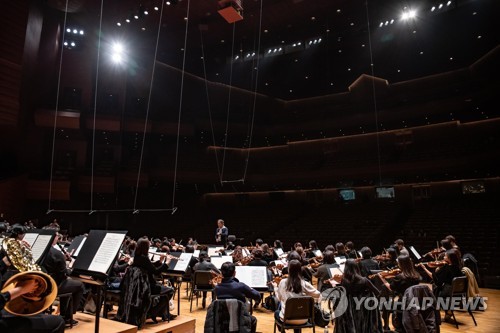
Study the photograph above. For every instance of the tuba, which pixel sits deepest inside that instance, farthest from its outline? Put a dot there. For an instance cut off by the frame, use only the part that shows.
(44, 295)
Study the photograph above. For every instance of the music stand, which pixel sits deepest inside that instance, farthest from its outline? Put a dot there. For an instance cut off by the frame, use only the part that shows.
(177, 268)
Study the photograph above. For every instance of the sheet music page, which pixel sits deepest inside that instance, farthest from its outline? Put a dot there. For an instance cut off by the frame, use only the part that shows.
(106, 253)
(41, 243)
(278, 251)
(214, 251)
(30, 238)
(342, 268)
(218, 261)
(79, 247)
(245, 252)
(417, 255)
(340, 260)
(196, 253)
(182, 264)
(317, 253)
(157, 255)
(252, 276)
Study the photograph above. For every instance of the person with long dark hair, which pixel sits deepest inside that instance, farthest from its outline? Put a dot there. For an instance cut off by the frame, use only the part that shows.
(365, 319)
(293, 286)
(399, 283)
(141, 260)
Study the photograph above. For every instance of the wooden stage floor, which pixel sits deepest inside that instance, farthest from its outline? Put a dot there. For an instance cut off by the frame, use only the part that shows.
(487, 321)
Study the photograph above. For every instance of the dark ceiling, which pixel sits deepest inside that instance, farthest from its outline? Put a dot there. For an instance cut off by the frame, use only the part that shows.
(352, 38)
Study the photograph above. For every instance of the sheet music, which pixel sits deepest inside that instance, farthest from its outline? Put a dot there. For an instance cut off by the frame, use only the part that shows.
(340, 260)
(214, 251)
(30, 238)
(218, 261)
(335, 271)
(196, 253)
(252, 276)
(245, 252)
(415, 253)
(317, 253)
(183, 262)
(342, 268)
(106, 253)
(41, 243)
(157, 255)
(278, 251)
(79, 247)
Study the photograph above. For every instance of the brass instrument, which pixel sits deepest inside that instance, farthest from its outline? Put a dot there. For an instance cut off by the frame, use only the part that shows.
(21, 258)
(35, 302)
(216, 278)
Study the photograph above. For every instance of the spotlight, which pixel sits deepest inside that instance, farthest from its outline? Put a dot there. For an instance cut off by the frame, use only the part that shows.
(237, 57)
(136, 17)
(392, 21)
(117, 48)
(381, 24)
(156, 8)
(68, 30)
(168, 3)
(440, 6)
(73, 44)
(81, 32)
(433, 8)
(65, 43)
(448, 3)
(386, 23)
(127, 20)
(146, 12)
(269, 51)
(75, 31)
(117, 58)
(118, 24)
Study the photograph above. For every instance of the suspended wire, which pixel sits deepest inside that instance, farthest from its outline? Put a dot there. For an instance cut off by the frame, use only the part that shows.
(95, 107)
(254, 95)
(90, 212)
(57, 108)
(180, 105)
(148, 106)
(226, 137)
(209, 107)
(375, 108)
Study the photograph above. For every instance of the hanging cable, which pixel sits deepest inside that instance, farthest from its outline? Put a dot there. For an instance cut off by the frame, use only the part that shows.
(254, 96)
(209, 107)
(148, 106)
(375, 108)
(226, 137)
(57, 108)
(95, 107)
(180, 106)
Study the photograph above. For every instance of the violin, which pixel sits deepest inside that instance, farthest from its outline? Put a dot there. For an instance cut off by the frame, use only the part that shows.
(387, 274)
(216, 278)
(382, 257)
(277, 279)
(434, 264)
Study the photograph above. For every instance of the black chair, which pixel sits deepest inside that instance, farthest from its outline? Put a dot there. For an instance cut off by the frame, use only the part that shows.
(229, 315)
(459, 287)
(297, 308)
(201, 283)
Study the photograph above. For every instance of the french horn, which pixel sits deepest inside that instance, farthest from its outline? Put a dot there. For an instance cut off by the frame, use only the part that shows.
(42, 297)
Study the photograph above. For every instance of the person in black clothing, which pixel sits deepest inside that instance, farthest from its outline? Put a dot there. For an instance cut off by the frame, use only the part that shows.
(230, 288)
(205, 265)
(443, 276)
(257, 258)
(367, 264)
(27, 324)
(142, 261)
(221, 233)
(398, 285)
(322, 274)
(340, 248)
(350, 250)
(365, 319)
(55, 265)
(391, 261)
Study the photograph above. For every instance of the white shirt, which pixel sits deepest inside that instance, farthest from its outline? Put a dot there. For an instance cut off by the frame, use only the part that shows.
(282, 294)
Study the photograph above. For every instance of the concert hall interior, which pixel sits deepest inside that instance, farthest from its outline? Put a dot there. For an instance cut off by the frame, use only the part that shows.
(327, 120)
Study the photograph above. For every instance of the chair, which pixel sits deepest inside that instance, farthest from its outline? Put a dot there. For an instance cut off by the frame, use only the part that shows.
(297, 308)
(459, 287)
(201, 283)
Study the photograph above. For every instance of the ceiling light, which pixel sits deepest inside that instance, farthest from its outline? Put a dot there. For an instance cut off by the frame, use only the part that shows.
(73, 44)
(65, 43)
(68, 30)
(118, 24)
(81, 32)
(168, 3)
(136, 17)
(392, 21)
(156, 8)
(381, 24)
(237, 57)
(440, 6)
(75, 31)
(146, 12)
(433, 8)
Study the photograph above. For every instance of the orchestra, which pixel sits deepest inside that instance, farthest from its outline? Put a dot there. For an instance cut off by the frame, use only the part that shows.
(388, 274)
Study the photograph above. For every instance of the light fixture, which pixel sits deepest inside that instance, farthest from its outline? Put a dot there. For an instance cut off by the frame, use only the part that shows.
(118, 24)
(75, 31)
(81, 32)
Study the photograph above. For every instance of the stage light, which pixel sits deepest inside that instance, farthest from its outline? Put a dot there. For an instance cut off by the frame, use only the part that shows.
(118, 24)
(440, 6)
(136, 17)
(117, 48)
(73, 44)
(433, 8)
(146, 12)
(156, 8)
(127, 20)
(448, 3)
(65, 43)
(75, 31)
(68, 30)
(81, 32)
(117, 58)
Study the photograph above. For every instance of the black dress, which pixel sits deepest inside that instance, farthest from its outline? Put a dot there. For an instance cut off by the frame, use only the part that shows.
(360, 320)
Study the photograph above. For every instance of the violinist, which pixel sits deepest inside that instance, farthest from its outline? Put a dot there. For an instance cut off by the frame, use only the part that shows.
(323, 271)
(340, 250)
(278, 248)
(390, 259)
(350, 250)
(267, 253)
(406, 278)
(205, 265)
(453, 243)
(400, 244)
(444, 275)
(364, 319)
(311, 251)
(367, 264)
(258, 258)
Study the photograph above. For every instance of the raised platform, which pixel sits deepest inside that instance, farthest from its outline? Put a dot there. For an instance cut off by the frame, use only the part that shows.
(86, 324)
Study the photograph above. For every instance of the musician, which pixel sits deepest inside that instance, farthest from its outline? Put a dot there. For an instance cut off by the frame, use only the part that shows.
(391, 259)
(399, 283)
(323, 273)
(141, 260)
(34, 324)
(445, 246)
(231, 288)
(293, 286)
(258, 259)
(221, 233)
(400, 244)
(367, 264)
(205, 265)
(340, 248)
(267, 253)
(313, 247)
(277, 246)
(55, 265)
(350, 250)
(363, 319)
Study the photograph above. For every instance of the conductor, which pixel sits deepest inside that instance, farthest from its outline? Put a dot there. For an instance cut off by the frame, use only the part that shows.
(221, 233)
